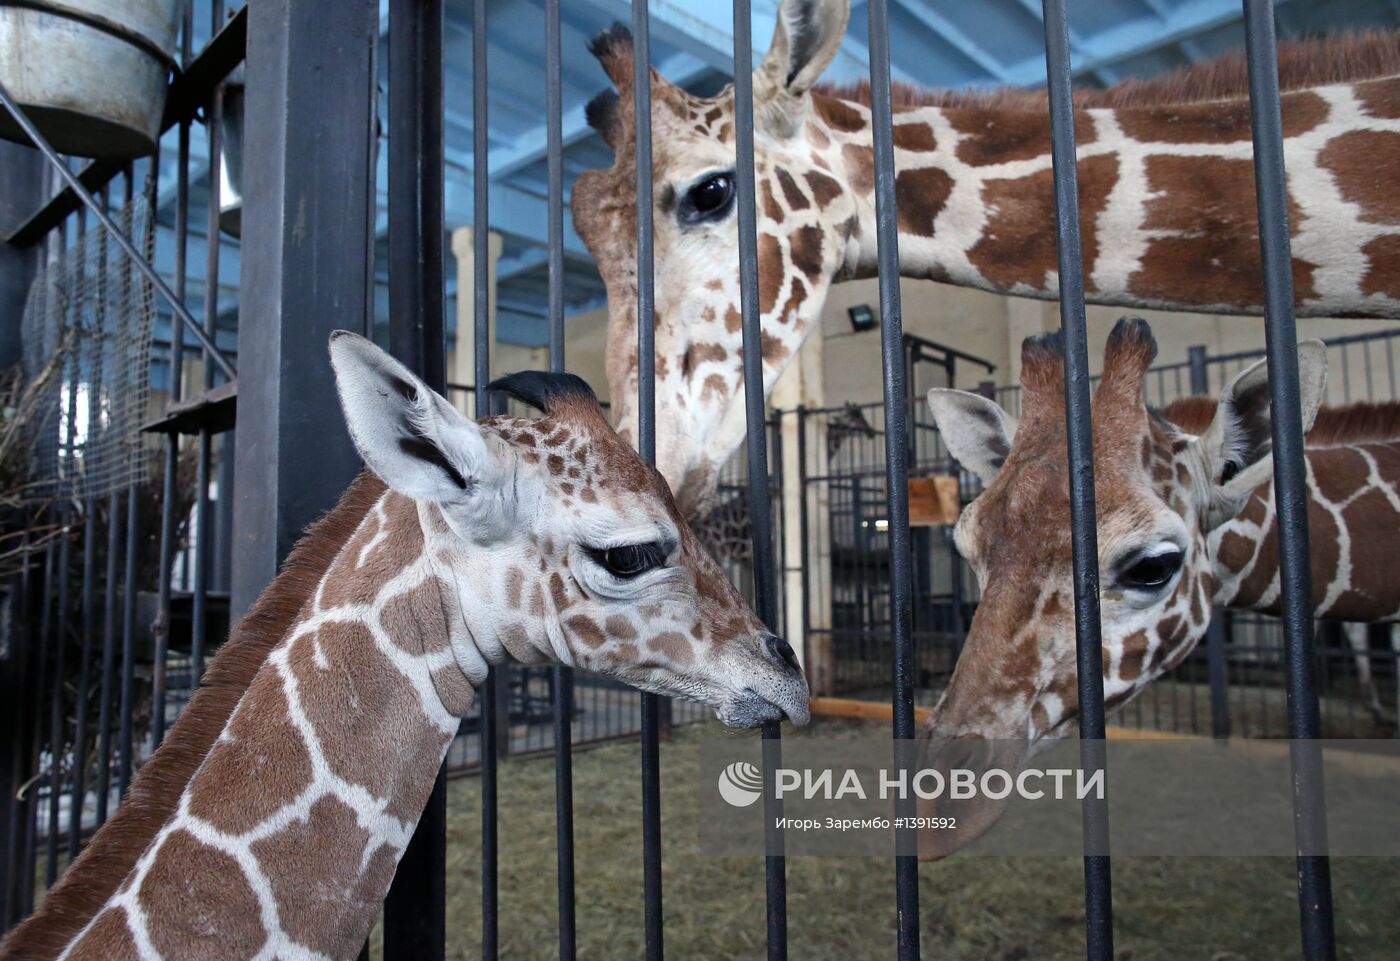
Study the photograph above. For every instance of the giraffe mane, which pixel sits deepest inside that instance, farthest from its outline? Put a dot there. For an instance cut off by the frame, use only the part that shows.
(1314, 62)
(1359, 423)
(155, 791)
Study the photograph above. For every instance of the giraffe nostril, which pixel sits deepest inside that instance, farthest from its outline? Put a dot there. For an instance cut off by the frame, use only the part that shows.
(781, 652)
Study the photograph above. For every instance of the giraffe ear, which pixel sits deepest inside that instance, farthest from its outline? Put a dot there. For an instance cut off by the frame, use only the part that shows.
(977, 432)
(805, 40)
(418, 443)
(1237, 447)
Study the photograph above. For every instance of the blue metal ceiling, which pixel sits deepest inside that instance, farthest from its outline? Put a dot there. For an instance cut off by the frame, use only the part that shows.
(936, 43)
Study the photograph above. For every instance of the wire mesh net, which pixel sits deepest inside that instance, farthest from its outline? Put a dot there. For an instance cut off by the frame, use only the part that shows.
(87, 332)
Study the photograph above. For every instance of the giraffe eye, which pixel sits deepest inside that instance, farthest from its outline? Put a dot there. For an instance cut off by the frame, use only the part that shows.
(708, 200)
(629, 560)
(1153, 571)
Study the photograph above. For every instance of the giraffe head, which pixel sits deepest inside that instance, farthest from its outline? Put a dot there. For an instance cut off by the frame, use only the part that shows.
(807, 221)
(562, 543)
(1159, 491)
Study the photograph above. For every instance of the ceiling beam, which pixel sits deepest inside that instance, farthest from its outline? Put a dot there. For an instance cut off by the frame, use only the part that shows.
(1138, 36)
(954, 35)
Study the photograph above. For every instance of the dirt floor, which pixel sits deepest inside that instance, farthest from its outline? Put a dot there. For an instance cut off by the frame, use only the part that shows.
(1173, 909)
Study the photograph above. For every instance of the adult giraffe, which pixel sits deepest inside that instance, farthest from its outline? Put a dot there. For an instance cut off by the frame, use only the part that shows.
(270, 822)
(1185, 521)
(1167, 201)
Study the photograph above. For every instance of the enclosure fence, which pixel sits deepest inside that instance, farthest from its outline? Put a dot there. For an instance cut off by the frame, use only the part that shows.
(311, 96)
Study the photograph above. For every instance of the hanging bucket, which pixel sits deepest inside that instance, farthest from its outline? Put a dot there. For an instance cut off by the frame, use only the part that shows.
(91, 74)
(231, 134)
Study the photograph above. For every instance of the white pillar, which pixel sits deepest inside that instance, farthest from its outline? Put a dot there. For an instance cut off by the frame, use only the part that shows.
(802, 383)
(461, 366)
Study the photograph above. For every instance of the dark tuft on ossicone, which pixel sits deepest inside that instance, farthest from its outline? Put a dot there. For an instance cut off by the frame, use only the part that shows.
(545, 391)
(601, 111)
(610, 41)
(1133, 332)
(1051, 344)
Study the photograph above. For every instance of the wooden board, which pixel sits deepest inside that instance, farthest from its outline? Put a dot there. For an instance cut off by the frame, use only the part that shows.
(933, 501)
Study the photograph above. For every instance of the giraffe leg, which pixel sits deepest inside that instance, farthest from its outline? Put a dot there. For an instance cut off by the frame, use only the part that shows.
(1359, 642)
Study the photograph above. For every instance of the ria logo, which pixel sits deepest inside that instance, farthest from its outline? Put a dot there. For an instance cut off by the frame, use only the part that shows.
(740, 784)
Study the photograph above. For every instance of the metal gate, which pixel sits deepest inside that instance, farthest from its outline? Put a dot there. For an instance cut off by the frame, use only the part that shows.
(311, 91)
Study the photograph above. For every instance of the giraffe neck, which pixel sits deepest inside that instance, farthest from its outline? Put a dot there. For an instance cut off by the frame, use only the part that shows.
(1353, 508)
(285, 839)
(1166, 199)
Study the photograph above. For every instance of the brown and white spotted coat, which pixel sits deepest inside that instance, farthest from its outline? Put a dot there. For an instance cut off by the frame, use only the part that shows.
(1185, 522)
(1166, 192)
(270, 822)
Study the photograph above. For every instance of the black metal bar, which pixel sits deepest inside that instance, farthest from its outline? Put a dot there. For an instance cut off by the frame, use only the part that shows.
(804, 559)
(1098, 897)
(80, 712)
(760, 505)
(41, 642)
(1290, 484)
(562, 678)
(652, 909)
(896, 453)
(309, 194)
(170, 483)
(123, 241)
(103, 780)
(65, 514)
(127, 699)
(492, 732)
(415, 911)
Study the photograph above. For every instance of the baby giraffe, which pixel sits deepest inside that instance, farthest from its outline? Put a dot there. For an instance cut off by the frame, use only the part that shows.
(1174, 501)
(270, 822)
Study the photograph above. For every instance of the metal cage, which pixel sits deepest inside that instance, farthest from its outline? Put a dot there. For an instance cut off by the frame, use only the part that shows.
(230, 502)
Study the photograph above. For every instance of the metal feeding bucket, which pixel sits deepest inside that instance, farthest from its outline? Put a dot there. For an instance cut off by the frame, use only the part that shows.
(231, 179)
(91, 74)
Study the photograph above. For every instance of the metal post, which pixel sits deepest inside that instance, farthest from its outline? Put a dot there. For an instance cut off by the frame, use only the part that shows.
(760, 505)
(1290, 484)
(415, 911)
(22, 182)
(308, 212)
(562, 677)
(494, 733)
(646, 445)
(1098, 903)
(1200, 379)
(896, 459)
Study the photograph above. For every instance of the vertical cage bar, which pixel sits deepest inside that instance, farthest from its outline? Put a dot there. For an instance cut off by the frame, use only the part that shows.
(491, 709)
(896, 459)
(103, 781)
(125, 687)
(1290, 484)
(415, 911)
(203, 544)
(80, 711)
(40, 642)
(562, 677)
(652, 908)
(170, 483)
(759, 503)
(65, 516)
(1098, 898)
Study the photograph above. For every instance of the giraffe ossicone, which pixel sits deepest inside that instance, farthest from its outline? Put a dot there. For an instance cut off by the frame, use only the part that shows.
(1185, 522)
(1166, 195)
(270, 821)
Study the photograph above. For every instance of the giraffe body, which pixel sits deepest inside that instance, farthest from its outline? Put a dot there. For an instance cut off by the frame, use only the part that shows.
(1166, 193)
(1185, 521)
(270, 822)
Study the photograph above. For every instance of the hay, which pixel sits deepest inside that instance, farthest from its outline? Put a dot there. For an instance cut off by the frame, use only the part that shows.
(982, 909)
